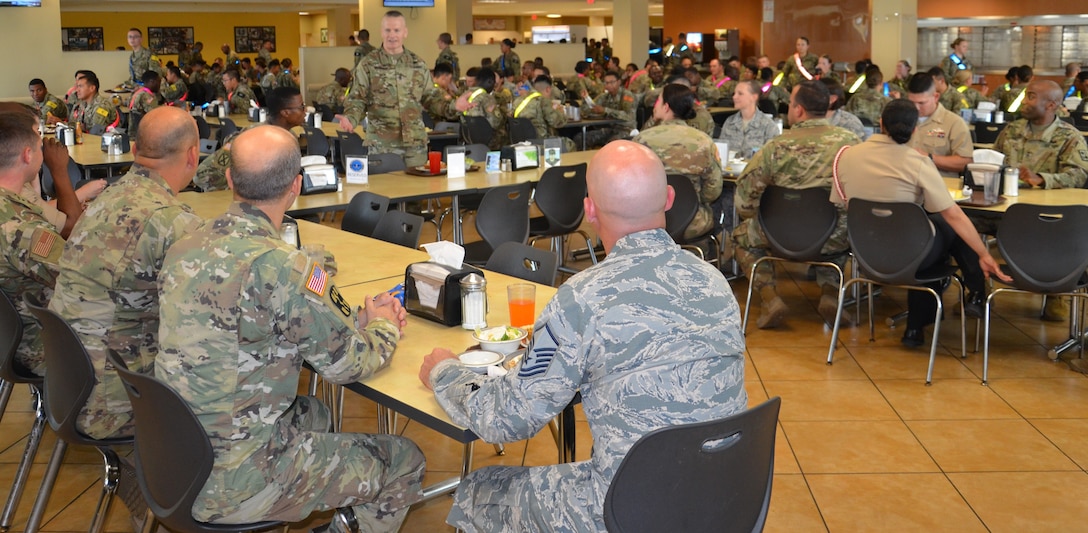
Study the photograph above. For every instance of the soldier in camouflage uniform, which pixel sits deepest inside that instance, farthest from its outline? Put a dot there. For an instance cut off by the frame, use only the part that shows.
(437, 99)
(141, 60)
(93, 110)
(970, 97)
(30, 244)
(265, 52)
(645, 350)
(287, 77)
(868, 102)
(616, 103)
(685, 150)
(233, 347)
(271, 79)
(485, 105)
(508, 60)
(239, 95)
(176, 91)
(334, 94)
(957, 60)
(800, 66)
(581, 84)
(388, 90)
(646, 80)
(285, 109)
(1050, 153)
(106, 287)
(545, 114)
(50, 108)
(702, 119)
(365, 48)
(704, 92)
(447, 55)
(839, 117)
(230, 59)
(800, 158)
(143, 100)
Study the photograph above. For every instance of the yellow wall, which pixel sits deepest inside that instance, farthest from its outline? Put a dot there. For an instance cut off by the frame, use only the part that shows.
(23, 28)
(213, 29)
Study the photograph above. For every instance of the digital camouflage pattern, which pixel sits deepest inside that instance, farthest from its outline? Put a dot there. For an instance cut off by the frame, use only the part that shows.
(286, 79)
(619, 106)
(107, 286)
(791, 76)
(241, 312)
(240, 98)
(174, 93)
(685, 150)
(51, 105)
(100, 111)
(31, 247)
(952, 100)
(950, 67)
(847, 121)
(802, 157)
(332, 95)
(745, 139)
(867, 104)
(143, 100)
(546, 116)
(439, 104)
(486, 106)
(581, 83)
(650, 336)
(388, 90)
(708, 92)
(969, 96)
(507, 62)
(703, 120)
(364, 49)
(640, 83)
(265, 55)
(270, 82)
(1057, 154)
(211, 175)
(449, 57)
(139, 62)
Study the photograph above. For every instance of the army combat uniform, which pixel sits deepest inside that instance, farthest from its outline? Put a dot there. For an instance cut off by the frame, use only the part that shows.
(792, 74)
(1057, 154)
(449, 57)
(31, 248)
(332, 95)
(582, 83)
(141, 61)
(99, 112)
(51, 105)
(546, 118)
(952, 63)
(388, 90)
(684, 150)
(364, 49)
(175, 93)
(645, 351)
(508, 62)
(143, 100)
(107, 289)
(489, 108)
(703, 120)
(620, 106)
(867, 104)
(211, 174)
(233, 344)
(952, 100)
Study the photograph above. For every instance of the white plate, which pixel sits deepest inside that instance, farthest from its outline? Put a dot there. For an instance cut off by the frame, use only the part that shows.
(479, 360)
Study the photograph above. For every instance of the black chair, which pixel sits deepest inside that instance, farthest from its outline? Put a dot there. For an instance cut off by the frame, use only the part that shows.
(521, 129)
(12, 372)
(476, 130)
(173, 455)
(1080, 121)
(326, 112)
(889, 241)
(68, 384)
(399, 227)
(383, 163)
(476, 152)
(202, 127)
(1046, 252)
(316, 142)
(559, 196)
(767, 107)
(701, 477)
(684, 206)
(363, 213)
(503, 216)
(525, 262)
(642, 113)
(797, 224)
(987, 132)
(75, 175)
(428, 120)
(351, 144)
(227, 127)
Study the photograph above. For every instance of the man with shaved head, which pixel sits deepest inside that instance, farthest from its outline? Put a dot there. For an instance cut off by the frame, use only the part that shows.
(241, 312)
(650, 336)
(106, 288)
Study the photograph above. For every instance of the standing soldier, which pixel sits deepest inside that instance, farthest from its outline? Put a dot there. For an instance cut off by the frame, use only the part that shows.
(957, 60)
(800, 66)
(365, 48)
(265, 52)
(185, 56)
(141, 60)
(230, 59)
(447, 55)
(508, 60)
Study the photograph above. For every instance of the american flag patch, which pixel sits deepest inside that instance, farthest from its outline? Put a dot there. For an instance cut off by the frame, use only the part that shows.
(43, 243)
(318, 280)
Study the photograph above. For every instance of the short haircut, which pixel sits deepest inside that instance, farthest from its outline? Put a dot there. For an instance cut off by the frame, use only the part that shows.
(766, 74)
(274, 63)
(92, 80)
(36, 81)
(1083, 76)
(485, 78)
(580, 67)
(265, 178)
(260, 62)
(937, 74)
(753, 87)
(149, 76)
(920, 83)
(680, 100)
(393, 13)
(860, 66)
(280, 98)
(547, 71)
(286, 62)
(16, 134)
(443, 69)
(364, 34)
(610, 73)
(731, 71)
(813, 97)
(1024, 72)
(542, 82)
(173, 69)
(82, 73)
(137, 30)
(899, 119)
(232, 73)
(873, 76)
(471, 72)
(803, 38)
(834, 88)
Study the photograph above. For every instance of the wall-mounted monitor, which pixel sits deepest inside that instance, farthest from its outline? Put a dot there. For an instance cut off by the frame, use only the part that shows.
(25, 3)
(408, 3)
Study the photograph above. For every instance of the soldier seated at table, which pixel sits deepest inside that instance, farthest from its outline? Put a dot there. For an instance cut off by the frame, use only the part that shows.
(544, 113)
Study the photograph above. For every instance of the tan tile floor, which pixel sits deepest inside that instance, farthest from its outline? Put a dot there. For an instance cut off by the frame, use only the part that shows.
(863, 445)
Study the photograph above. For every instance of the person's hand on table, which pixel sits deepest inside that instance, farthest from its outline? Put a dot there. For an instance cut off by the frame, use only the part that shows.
(990, 268)
(1031, 178)
(430, 361)
(345, 124)
(386, 306)
(90, 190)
(55, 156)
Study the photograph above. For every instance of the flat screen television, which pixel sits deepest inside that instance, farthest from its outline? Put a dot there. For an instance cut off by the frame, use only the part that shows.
(408, 3)
(21, 3)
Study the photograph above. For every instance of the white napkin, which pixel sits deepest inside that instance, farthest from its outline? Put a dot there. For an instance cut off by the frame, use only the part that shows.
(446, 253)
(992, 157)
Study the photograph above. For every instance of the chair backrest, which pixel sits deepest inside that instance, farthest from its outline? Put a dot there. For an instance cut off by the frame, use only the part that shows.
(258, 95)
(1080, 121)
(399, 227)
(766, 106)
(70, 379)
(351, 144)
(701, 477)
(316, 141)
(227, 127)
(503, 215)
(889, 239)
(428, 120)
(476, 130)
(476, 152)
(326, 112)
(525, 262)
(797, 222)
(448, 127)
(382, 163)
(11, 334)
(559, 195)
(684, 206)
(1046, 247)
(75, 175)
(363, 213)
(987, 132)
(521, 129)
(202, 127)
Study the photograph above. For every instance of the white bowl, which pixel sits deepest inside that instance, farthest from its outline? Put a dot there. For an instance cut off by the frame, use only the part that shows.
(479, 360)
(506, 347)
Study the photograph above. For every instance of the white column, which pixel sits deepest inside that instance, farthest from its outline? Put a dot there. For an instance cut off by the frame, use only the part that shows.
(894, 33)
(631, 29)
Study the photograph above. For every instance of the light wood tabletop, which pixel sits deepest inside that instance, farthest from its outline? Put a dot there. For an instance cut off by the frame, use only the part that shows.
(90, 154)
(1053, 197)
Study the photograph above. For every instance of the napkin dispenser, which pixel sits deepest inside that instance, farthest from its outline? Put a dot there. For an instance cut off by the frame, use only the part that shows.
(521, 156)
(433, 291)
(317, 175)
(254, 114)
(211, 109)
(115, 143)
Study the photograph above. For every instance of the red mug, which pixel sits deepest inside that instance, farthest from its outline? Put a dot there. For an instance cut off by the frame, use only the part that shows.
(434, 159)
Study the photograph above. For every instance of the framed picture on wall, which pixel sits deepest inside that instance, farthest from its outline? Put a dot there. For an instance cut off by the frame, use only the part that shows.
(165, 39)
(324, 35)
(81, 39)
(248, 39)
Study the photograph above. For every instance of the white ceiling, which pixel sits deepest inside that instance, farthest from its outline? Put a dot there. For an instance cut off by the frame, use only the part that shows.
(570, 8)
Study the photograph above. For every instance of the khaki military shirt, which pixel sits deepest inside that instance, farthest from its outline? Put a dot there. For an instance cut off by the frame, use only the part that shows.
(943, 133)
(1057, 153)
(882, 170)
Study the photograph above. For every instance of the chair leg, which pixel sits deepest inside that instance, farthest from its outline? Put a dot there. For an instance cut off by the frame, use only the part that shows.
(5, 395)
(111, 476)
(29, 452)
(936, 333)
(838, 317)
(500, 449)
(986, 335)
(42, 500)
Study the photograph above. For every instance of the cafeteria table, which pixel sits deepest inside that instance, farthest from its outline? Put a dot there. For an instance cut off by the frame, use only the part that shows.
(89, 155)
(587, 123)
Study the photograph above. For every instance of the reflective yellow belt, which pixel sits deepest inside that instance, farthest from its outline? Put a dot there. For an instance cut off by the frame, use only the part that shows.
(525, 102)
(473, 96)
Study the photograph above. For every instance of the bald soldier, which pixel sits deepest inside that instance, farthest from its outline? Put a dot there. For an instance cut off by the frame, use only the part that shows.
(650, 336)
(233, 345)
(106, 287)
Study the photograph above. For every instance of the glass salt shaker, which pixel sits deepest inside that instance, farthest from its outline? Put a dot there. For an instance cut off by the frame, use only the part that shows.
(473, 301)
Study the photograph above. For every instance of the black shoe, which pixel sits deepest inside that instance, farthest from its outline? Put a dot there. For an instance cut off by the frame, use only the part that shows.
(973, 306)
(913, 338)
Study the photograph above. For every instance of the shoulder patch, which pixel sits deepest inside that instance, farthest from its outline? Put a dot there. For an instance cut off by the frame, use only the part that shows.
(339, 301)
(628, 98)
(538, 358)
(42, 243)
(51, 104)
(317, 280)
(102, 111)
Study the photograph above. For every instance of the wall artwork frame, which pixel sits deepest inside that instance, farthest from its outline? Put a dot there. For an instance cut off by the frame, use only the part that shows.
(248, 39)
(165, 39)
(81, 39)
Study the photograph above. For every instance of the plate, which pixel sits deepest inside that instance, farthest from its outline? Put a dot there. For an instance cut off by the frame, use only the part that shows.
(479, 360)
(425, 170)
(970, 203)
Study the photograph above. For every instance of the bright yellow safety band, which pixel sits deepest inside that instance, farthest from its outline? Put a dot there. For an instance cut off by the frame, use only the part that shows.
(473, 96)
(778, 79)
(1019, 100)
(857, 84)
(525, 102)
(962, 88)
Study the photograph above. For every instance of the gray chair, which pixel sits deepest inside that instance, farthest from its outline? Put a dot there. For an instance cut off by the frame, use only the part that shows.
(704, 477)
(75, 175)
(399, 227)
(503, 216)
(525, 262)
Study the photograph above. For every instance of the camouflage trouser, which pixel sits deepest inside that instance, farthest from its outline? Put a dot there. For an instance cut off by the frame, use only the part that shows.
(310, 469)
(31, 352)
(414, 154)
(747, 254)
(559, 498)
